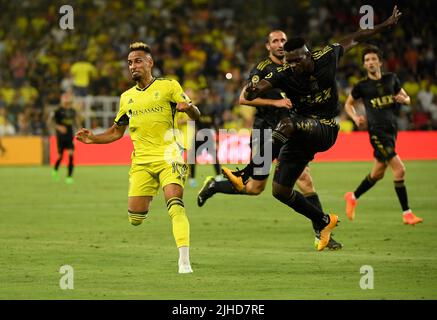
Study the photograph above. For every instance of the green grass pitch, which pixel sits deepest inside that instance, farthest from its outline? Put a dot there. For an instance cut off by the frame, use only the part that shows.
(241, 247)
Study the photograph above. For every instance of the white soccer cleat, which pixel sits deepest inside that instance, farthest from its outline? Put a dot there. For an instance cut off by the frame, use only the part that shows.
(185, 268)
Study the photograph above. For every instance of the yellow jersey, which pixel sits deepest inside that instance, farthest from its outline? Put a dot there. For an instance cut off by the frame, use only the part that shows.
(150, 113)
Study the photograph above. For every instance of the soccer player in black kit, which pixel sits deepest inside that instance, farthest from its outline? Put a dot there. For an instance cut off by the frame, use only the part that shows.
(308, 79)
(271, 107)
(381, 94)
(65, 117)
(208, 123)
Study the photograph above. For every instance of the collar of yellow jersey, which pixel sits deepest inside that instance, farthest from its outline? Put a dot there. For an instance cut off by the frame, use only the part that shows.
(145, 88)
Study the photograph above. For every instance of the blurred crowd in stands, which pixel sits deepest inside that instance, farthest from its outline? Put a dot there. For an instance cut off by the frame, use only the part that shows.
(206, 45)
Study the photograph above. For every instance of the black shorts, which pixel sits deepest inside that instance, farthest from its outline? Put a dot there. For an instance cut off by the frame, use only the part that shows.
(64, 142)
(261, 157)
(310, 136)
(383, 143)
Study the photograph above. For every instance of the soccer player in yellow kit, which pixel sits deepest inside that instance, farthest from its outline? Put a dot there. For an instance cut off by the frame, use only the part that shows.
(149, 109)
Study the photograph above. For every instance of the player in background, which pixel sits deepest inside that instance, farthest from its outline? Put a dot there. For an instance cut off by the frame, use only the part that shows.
(149, 110)
(65, 117)
(381, 94)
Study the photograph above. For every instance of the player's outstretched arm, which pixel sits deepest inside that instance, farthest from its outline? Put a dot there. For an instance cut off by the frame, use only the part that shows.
(261, 102)
(254, 90)
(353, 39)
(190, 109)
(112, 134)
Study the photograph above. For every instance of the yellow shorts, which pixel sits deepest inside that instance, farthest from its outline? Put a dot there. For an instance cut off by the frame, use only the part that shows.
(145, 179)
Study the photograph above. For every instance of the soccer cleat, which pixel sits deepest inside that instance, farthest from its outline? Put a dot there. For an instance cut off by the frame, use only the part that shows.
(55, 175)
(69, 180)
(332, 244)
(325, 233)
(351, 204)
(185, 268)
(410, 218)
(236, 181)
(205, 193)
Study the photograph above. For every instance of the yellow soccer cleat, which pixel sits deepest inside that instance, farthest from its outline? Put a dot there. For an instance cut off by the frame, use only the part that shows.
(411, 219)
(351, 204)
(236, 181)
(332, 244)
(325, 233)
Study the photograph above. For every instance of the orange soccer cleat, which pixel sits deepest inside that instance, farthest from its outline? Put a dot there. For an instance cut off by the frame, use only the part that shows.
(410, 218)
(351, 204)
(236, 181)
(325, 233)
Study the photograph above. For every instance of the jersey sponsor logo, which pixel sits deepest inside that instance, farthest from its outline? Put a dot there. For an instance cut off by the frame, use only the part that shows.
(319, 97)
(382, 102)
(135, 113)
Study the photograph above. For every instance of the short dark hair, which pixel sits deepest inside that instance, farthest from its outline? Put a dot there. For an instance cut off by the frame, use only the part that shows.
(372, 49)
(294, 43)
(140, 46)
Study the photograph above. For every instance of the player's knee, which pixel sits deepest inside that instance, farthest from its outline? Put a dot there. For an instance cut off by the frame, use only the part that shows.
(136, 218)
(305, 184)
(399, 173)
(377, 176)
(280, 194)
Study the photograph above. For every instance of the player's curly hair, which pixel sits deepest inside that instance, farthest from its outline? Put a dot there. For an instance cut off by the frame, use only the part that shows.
(294, 43)
(135, 46)
(372, 49)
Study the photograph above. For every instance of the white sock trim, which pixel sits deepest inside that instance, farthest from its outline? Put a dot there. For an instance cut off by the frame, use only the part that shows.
(184, 255)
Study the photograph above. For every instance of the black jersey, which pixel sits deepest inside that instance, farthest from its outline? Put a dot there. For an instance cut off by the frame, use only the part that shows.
(66, 118)
(267, 117)
(312, 95)
(377, 96)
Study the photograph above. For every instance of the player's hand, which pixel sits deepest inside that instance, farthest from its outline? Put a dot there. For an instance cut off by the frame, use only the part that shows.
(360, 121)
(283, 103)
(85, 136)
(61, 129)
(393, 19)
(400, 98)
(251, 86)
